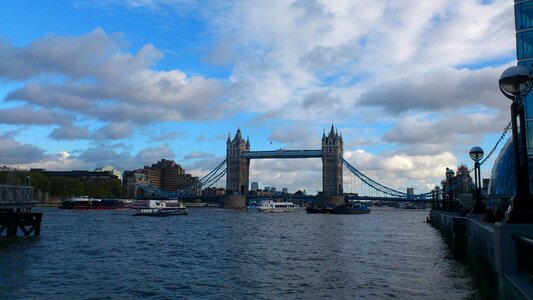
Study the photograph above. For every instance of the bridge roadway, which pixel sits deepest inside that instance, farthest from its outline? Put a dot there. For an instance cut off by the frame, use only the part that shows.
(281, 153)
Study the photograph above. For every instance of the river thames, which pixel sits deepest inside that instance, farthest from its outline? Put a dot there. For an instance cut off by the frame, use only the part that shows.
(227, 254)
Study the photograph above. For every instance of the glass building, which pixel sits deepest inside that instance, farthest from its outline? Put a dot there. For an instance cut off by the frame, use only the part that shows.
(523, 10)
(524, 55)
(502, 184)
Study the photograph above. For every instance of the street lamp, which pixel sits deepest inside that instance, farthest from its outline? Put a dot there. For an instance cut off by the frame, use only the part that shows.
(449, 174)
(436, 199)
(433, 195)
(443, 197)
(515, 84)
(476, 154)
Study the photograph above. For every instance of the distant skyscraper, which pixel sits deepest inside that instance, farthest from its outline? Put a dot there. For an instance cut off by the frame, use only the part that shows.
(255, 186)
(284, 190)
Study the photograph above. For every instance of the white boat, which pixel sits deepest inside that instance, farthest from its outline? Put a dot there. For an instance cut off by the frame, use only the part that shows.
(271, 206)
(407, 205)
(253, 206)
(159, 208)
(82, 199)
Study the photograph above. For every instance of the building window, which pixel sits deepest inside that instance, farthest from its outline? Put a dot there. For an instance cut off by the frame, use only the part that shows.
(529, 133)
(524, 15)
(524, 45)
(528, 105)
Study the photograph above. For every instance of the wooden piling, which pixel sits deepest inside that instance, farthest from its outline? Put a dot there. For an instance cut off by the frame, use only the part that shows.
(27, 222)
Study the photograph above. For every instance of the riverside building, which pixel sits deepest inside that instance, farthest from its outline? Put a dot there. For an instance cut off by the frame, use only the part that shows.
(165, 175)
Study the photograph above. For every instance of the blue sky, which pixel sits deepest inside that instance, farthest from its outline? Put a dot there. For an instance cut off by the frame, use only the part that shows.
(412, 86)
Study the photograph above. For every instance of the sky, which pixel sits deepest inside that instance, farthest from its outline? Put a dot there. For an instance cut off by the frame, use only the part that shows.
(411, 85)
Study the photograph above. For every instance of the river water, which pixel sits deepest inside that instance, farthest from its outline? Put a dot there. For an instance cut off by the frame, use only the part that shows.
(227, 254)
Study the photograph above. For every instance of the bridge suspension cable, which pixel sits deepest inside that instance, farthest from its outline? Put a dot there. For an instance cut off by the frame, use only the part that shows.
(380, 187)
(207, 181)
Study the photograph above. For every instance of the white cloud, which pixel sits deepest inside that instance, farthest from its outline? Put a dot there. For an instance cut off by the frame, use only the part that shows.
(16, 153)
(102, 82)
(400, 171)
(412, 76)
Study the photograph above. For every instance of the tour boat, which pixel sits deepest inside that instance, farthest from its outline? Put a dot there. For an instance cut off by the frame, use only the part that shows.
(86, 203)
(345, 209)
(253, 206)
(159, 208)
(407, 205)
(271, 206)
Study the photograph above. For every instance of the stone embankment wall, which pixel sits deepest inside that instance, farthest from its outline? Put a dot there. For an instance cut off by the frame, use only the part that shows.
(491, 251)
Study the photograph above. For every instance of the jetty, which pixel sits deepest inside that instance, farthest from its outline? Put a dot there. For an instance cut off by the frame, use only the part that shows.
(16, 203)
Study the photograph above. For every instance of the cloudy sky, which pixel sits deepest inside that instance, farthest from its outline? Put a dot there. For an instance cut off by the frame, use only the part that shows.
(412, 85)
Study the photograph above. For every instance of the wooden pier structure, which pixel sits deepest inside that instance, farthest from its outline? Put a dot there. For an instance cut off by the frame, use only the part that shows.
(16, 202)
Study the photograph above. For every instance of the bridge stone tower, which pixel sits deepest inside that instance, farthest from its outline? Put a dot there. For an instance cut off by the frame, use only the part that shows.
(238, 168)
(332, 151)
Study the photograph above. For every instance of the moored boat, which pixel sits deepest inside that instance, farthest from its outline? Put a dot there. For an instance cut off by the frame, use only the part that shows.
(159, 208)
(319, 210)
(87, 203)
(351, 209)
(271, 206)
(407, 205)
(345, 209)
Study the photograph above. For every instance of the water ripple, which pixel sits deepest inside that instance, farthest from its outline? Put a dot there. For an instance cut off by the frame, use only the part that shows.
(225, 254)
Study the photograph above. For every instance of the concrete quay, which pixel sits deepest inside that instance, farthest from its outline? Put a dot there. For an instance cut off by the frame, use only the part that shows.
(500, 254)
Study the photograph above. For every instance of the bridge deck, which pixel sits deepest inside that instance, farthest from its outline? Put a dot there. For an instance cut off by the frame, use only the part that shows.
(283, 154)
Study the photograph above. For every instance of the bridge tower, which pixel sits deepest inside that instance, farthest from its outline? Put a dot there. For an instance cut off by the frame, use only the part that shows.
(332, 150)
(238, 168)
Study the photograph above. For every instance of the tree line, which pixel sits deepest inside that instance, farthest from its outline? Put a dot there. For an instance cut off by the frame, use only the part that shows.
(65, 186)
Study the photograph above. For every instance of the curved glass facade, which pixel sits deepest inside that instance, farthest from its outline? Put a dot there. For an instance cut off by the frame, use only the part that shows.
(503, 177)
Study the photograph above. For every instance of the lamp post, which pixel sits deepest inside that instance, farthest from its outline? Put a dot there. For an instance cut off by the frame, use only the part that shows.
(433, 196)
(436, 204)
(515, 84)
(476, 154)
(449, 174)
(443, 183)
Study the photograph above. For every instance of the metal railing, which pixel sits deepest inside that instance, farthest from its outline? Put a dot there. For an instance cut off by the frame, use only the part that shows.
(13, 196)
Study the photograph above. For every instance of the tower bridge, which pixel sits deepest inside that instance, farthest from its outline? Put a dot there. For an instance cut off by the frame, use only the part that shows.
(236, 170)
(238, 156)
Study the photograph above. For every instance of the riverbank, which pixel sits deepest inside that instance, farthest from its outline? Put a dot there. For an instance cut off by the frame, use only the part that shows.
(498, 253)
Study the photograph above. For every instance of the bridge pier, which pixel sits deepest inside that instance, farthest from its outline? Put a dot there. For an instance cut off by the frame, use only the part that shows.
(232, 201)
(334, 200)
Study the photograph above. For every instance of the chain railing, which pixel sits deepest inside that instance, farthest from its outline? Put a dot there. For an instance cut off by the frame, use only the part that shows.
(497, 144)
